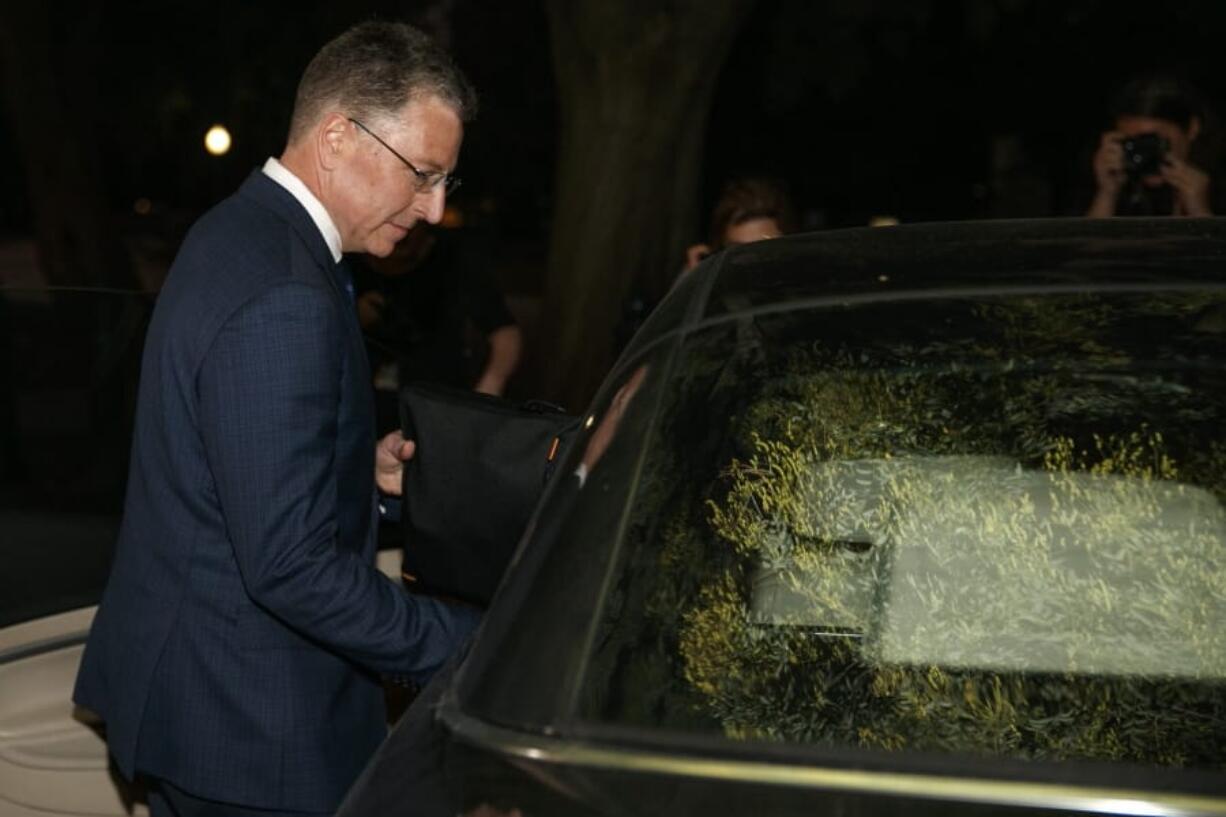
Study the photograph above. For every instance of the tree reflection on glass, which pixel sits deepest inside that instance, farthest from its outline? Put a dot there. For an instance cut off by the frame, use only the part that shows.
(1005, 537)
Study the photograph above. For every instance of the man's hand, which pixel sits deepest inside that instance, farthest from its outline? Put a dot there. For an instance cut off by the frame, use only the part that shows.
(607, 429)
(694, 255)
(391, 453)
(1109, 175)
(506, 342)
(1190, 183)
(1109, 163)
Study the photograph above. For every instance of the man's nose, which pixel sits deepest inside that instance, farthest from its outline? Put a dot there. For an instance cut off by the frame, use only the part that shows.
(435, 203)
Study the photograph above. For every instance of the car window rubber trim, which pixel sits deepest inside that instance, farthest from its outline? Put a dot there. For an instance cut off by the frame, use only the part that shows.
(1046, 795)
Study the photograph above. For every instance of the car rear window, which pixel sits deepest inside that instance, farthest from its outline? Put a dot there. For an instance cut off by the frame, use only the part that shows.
(989, 524)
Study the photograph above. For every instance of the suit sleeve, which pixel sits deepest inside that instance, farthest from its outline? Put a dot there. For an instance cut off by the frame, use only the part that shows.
(269, 391)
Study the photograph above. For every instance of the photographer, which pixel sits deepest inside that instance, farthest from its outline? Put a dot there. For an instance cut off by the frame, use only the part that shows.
(749, 209)
(1141, 167)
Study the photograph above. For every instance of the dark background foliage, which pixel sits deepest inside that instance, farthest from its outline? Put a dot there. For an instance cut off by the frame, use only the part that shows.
(918, 109)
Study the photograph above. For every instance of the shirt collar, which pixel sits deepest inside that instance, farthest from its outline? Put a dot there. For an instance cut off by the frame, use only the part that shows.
(283, 176)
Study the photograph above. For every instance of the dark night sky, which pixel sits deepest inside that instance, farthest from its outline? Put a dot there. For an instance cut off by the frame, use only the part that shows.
(891, 106)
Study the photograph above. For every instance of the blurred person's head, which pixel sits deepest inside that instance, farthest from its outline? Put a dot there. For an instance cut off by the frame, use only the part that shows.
(1163, 107)
(376, 131)
(751, 209)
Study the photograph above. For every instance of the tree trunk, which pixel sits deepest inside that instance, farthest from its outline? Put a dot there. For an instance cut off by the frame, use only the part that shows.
(635, 81)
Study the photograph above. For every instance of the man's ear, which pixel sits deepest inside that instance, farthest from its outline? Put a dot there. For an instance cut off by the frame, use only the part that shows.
(334, 138)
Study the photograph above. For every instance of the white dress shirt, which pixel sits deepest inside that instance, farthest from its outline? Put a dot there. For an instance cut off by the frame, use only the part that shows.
(280, 174)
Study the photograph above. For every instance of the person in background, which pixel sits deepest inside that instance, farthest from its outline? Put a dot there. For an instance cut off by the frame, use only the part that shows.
(749, 209)
(1142, 165)
(431, 311)
(237, 653)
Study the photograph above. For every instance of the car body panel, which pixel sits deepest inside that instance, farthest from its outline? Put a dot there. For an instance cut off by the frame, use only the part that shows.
(528, 721)
(53, 759)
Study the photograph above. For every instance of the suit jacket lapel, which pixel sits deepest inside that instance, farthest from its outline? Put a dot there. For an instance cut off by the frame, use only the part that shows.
(273, 196)
(268, 193)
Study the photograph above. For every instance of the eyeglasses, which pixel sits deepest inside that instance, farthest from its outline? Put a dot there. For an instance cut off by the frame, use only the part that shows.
(423, 182)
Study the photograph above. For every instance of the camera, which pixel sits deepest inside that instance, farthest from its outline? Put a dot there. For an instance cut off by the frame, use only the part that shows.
(1144, 153)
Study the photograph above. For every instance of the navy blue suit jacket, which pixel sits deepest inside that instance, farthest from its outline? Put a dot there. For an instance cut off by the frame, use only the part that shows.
(237, 647)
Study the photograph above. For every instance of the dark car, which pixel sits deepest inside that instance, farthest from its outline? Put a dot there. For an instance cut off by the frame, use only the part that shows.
(925, 519)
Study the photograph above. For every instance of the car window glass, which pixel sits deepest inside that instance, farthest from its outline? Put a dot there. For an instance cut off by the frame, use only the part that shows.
(69, 361)
(990, 525)
(536, 632)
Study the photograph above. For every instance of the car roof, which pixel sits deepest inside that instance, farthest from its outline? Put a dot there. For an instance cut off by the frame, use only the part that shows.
(936, 256)
(939, 257)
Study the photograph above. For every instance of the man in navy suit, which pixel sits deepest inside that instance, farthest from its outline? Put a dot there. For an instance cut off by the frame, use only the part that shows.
(236, 655)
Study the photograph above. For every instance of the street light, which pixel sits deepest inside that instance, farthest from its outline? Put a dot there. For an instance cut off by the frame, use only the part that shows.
(217, 140)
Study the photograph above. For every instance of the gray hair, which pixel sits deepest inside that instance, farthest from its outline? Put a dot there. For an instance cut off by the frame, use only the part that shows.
(374, 69)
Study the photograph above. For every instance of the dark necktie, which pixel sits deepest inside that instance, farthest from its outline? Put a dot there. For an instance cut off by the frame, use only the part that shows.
(345, 276)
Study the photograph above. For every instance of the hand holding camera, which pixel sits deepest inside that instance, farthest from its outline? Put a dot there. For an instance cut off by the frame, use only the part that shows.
(1147, 159)
(1144, 154)
(1129, 157)
(1109, 164)
(1141, 165)
(1191, 186)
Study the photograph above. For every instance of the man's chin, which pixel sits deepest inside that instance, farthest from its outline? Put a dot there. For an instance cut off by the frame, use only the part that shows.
(382, 249)
(384, 240)
(385, 246)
